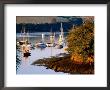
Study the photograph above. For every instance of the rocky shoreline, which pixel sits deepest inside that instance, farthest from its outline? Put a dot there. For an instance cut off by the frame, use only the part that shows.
(64, 64)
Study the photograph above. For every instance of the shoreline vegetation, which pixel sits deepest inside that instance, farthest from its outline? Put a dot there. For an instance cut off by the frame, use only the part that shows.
(64, 64)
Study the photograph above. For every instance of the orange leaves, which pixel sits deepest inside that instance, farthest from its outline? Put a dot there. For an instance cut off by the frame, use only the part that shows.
(77, 58)
(81, 41)
(90, 60)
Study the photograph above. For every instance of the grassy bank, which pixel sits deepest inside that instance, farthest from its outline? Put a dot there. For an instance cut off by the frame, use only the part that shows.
(64, 64)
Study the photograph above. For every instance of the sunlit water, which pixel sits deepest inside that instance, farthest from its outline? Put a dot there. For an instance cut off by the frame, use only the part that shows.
(24, 65)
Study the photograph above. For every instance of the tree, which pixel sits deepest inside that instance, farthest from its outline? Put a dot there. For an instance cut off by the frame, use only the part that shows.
(81, 42)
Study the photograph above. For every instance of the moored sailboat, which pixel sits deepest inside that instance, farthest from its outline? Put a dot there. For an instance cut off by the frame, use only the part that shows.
(61, 39)
(24, 35)
(52, 40)
(24, 44)
(41, 44)
(26, 50)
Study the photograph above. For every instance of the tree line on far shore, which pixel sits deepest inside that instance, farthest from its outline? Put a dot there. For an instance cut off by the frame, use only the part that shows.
(47, 27)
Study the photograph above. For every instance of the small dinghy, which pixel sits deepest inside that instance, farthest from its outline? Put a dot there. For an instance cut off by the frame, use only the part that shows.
(27, 54)
(26, 50)
(41, 45)
(59, 46)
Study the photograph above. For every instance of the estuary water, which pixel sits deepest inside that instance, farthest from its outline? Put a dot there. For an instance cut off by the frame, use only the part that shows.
(23, 66)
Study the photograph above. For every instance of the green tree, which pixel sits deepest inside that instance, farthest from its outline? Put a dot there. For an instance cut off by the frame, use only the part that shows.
(81, 42)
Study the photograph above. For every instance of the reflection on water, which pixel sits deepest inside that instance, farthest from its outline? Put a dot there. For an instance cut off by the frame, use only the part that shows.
(23, 64)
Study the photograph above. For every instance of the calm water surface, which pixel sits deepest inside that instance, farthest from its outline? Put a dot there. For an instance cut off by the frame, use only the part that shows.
(24, 65)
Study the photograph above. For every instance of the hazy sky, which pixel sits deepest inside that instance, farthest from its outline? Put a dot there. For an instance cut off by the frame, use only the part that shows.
(35, 19)
(46, 19)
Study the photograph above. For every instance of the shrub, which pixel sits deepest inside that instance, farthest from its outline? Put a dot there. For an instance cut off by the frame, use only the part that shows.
(81, 42)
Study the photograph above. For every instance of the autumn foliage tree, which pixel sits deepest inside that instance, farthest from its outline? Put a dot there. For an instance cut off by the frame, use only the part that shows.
(81, 43)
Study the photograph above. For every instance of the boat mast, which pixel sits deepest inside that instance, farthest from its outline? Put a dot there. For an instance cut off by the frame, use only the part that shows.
(51, 40)
(42, 37)
(28, 37)
(23, 32)
(51, 37)
(61, 36)
(54, 37)
(61, 31)
(21, 35)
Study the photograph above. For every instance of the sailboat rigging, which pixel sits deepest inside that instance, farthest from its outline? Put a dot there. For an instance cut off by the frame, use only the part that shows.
(61, 39)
